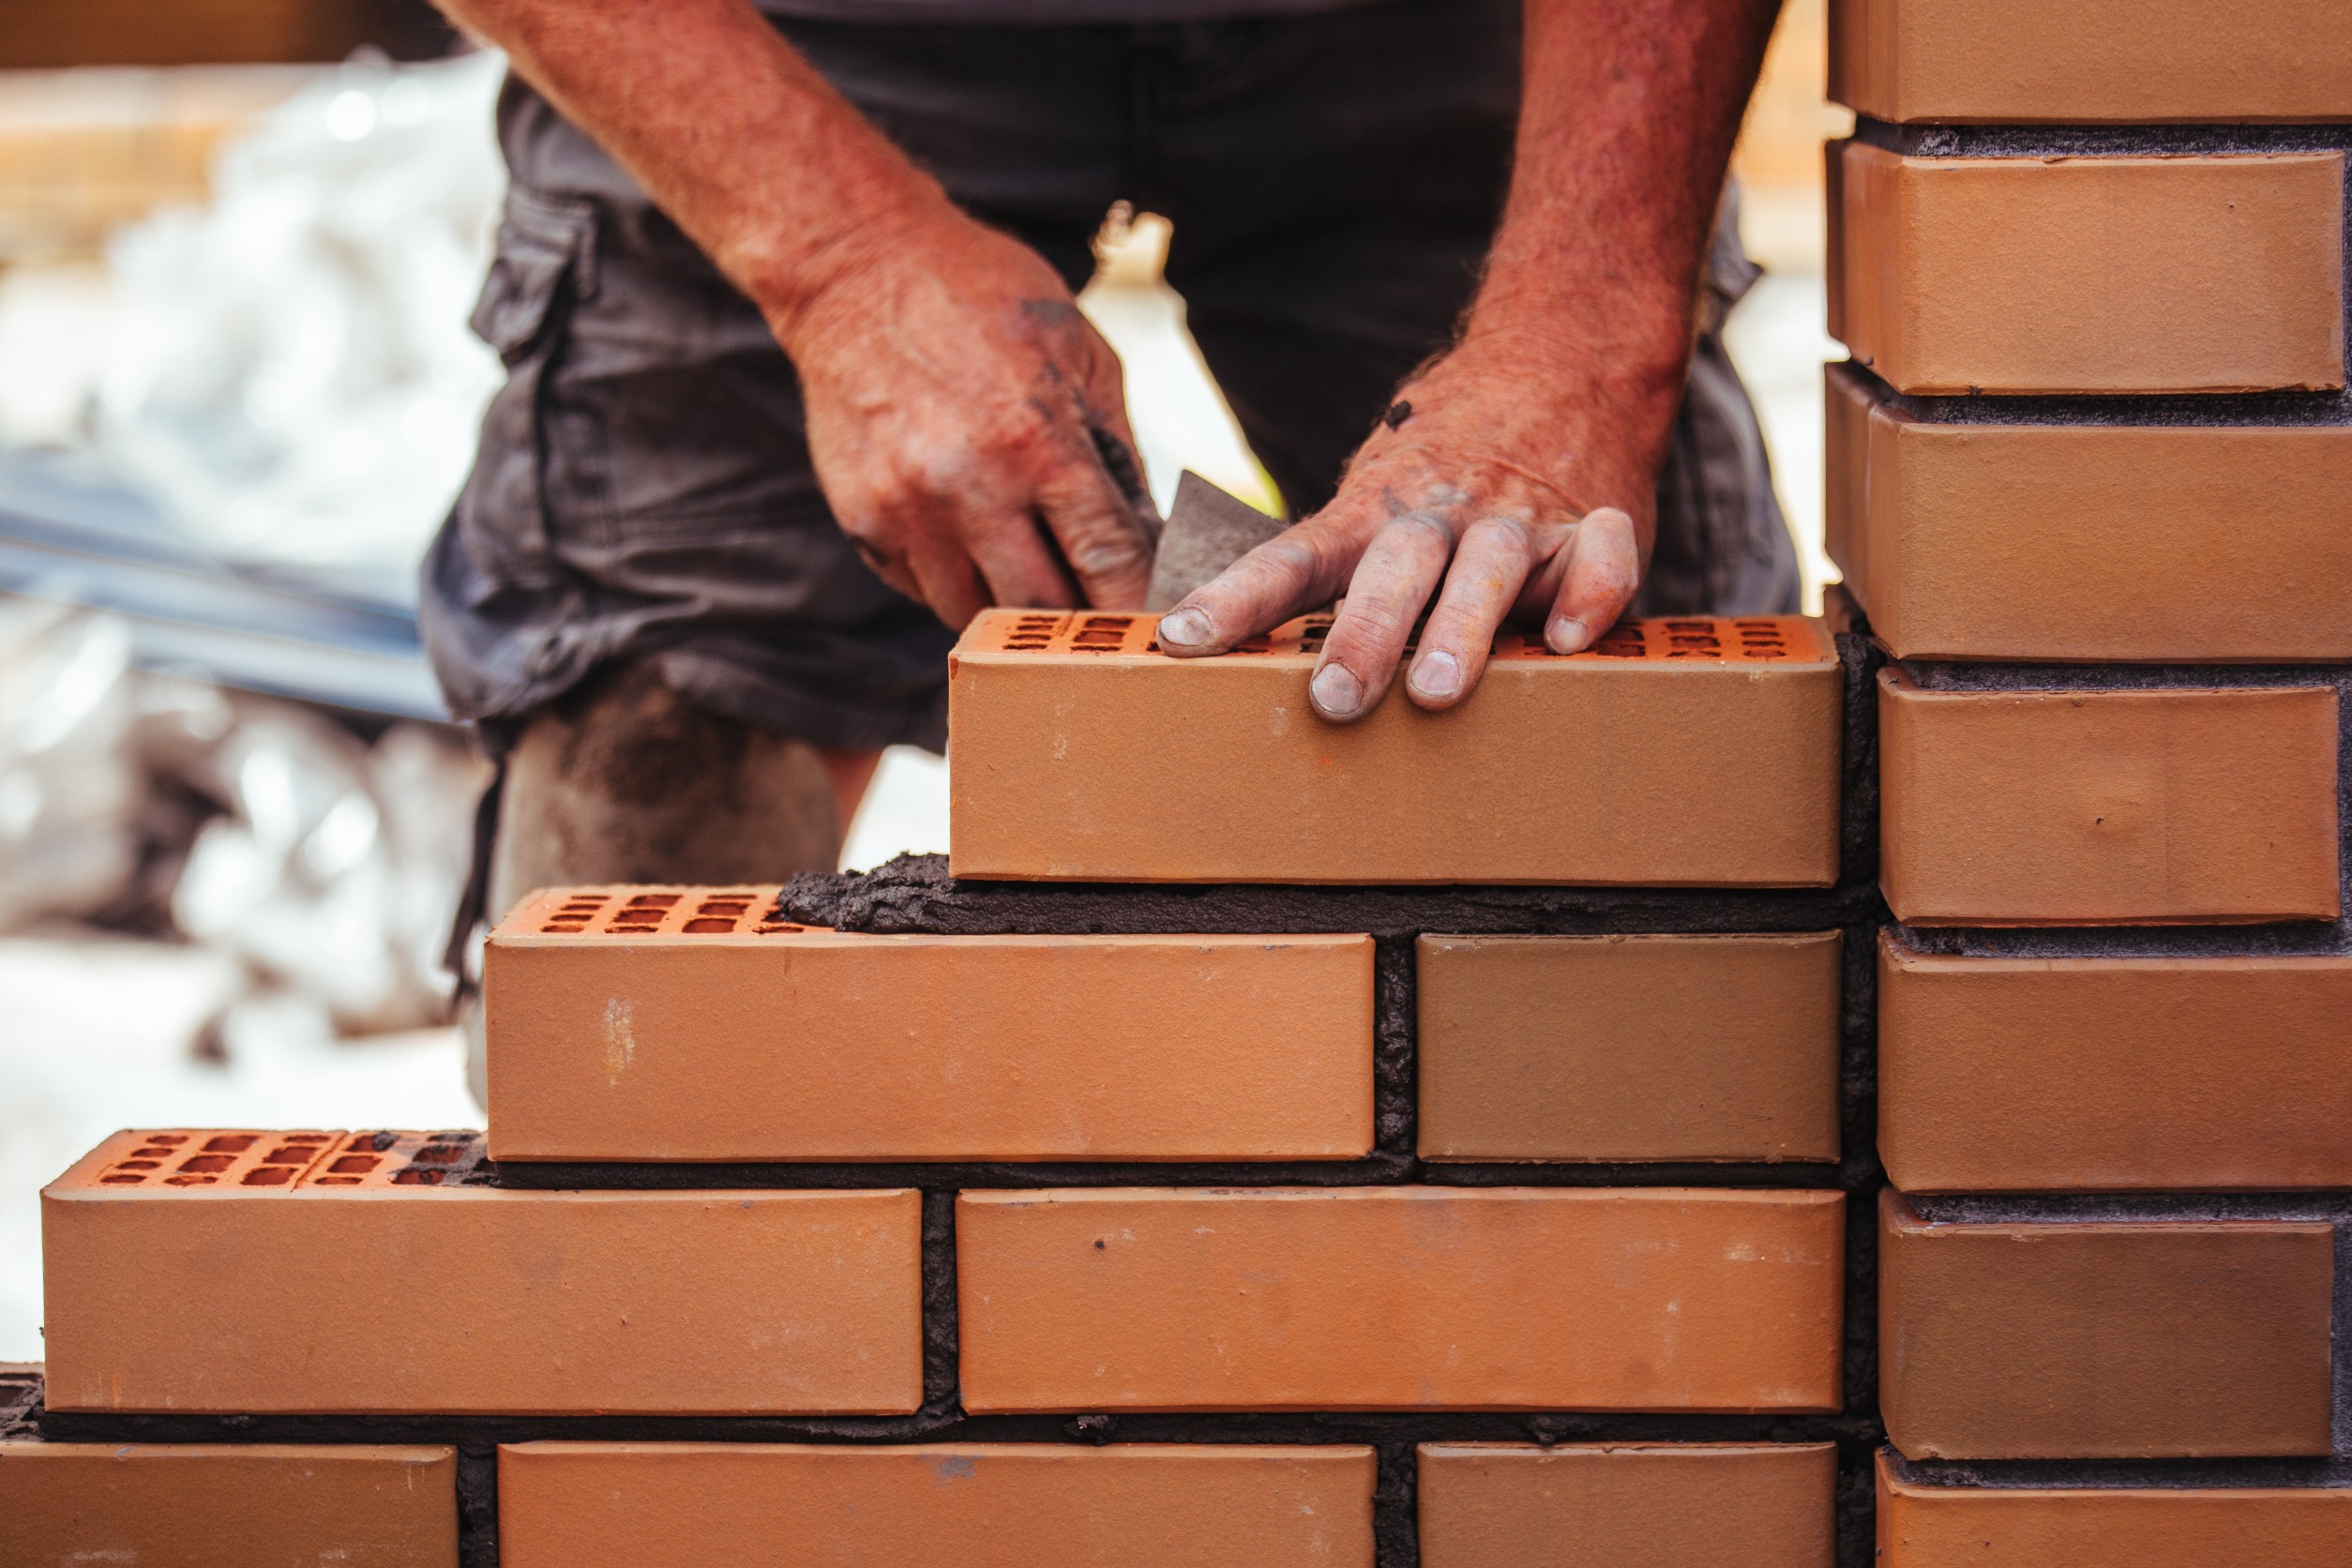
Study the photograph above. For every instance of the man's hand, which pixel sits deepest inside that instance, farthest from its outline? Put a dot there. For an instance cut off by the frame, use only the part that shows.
(967, 424)
(1463, 483)
(960, 409)
(1519, 471)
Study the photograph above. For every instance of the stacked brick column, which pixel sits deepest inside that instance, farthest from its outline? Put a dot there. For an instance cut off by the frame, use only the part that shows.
(2088, 480)
(1120, 1200)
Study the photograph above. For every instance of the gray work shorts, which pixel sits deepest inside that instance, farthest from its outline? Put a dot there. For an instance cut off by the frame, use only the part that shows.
(644, 489)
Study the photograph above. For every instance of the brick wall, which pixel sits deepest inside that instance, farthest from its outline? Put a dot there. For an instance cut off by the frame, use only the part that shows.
(2089, 264)
(1455, 1140)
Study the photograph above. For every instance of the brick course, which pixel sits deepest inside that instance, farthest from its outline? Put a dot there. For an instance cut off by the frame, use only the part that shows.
(964, 1505)
(1400, 1298)
(2109, 1074)
(2104, 807)
(2067, 542)
(1631, 1505)
(753, 1040)
(1626, 1048)
(1722, 768)
(2088, 274)
(2107, 1339)
(1921, 1525)
(387, 1296)
(153, 1505)
(2089, 61)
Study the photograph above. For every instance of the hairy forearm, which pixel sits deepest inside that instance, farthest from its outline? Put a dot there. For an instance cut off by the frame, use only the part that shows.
(779, 180)
(1627, 120)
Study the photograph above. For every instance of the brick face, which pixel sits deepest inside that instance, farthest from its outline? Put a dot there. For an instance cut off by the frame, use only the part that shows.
(79, 1505)
(2064, 542)
(387, 1297)
(1723, 766)
(811, 1044)
(2095, 1340)
(2091, 61)
(969, 1505)
(2023, 1075)
(1630, 1505)
(2088, 274)
(1921, 1525)
(2103, 807)
(1663, 1048)
(1400, 1298)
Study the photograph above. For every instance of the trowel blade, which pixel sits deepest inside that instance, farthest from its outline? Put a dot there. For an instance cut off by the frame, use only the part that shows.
(1207, 531)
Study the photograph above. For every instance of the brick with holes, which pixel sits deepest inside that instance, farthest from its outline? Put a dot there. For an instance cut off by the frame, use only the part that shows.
(1680, 752)
(367, 1272)
(683, 1024)
(218, 1505)
(1400, 1298)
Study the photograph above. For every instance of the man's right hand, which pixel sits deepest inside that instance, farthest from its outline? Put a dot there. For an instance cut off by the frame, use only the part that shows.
(958, 405)
(960, 409)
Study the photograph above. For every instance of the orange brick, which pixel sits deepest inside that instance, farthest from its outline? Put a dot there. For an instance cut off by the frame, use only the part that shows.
(2023, 1075)
(1077, 753)
(1623, 1048)
(965, 1505)
(2065, 542)
(2104, 807)
(2121, 61)
(1923, 1526)
(237, 1290)
(712, 1037)
(2107, 1339)
(2088, 274)
(1400, 1298)
(77, 1504)
(1629, 1506)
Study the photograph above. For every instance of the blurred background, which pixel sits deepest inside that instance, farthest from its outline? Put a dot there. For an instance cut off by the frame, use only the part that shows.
(238, 243)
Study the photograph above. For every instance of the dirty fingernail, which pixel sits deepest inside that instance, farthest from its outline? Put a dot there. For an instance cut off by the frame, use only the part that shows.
(1187, 628)
(1567, 635)
(1337, 691)
(1437, 673)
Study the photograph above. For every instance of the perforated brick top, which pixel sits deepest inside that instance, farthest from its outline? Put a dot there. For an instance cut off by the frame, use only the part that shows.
(1714, 638)
(198, 1161)
(635, 912)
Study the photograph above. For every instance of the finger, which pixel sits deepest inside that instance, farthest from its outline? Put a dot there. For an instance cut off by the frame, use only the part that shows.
(1107, 545)
(1293, 572)
(1603, 569)
(1489, 566)
(1394, 581)
(932, 560)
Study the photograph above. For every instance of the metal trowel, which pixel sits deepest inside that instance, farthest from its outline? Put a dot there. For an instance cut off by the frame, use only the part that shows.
(1207, 531)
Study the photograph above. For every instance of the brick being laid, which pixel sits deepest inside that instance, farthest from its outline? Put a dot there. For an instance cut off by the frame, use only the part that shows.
(2067, 542)
(2051, 1339)
(1628, 1048)
(356, 1505)
(1080, 751)
(1400, 1298)
(1926, 1525)
(1627, 1505)
(683, 1024)
(2089, 808)
(2113, 1074)
(356, 1272)
(2127, 62)
(940, 1505)
(1950, 275)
